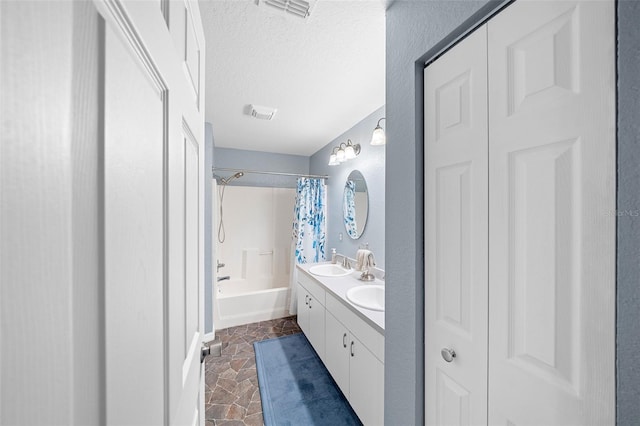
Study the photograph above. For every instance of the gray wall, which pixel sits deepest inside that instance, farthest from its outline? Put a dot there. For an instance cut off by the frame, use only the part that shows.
(371, 163)
(209, 248)
(261, 161)
(413, 28)
(628, 268)
(416, 30)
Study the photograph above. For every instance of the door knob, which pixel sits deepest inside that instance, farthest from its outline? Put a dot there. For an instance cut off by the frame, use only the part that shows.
(448, 354)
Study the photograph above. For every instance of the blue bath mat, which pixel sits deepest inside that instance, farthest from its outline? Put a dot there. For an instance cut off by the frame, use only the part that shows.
(296, 388)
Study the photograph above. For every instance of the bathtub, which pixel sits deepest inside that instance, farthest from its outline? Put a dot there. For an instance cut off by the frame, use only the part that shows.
(243, 301)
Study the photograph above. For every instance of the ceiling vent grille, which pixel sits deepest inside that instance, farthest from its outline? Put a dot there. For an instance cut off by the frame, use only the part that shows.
(299, 8)
(262, 112)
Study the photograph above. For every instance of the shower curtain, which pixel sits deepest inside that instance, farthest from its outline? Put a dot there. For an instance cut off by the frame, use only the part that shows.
(349, 209)
(309, 229)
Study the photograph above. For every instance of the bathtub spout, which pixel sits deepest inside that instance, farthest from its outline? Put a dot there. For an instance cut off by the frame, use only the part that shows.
(226, 277)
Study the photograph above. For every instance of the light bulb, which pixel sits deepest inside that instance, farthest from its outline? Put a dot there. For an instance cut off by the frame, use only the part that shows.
(349, 152)
(333, 160)
(340, 155)
(378, 137)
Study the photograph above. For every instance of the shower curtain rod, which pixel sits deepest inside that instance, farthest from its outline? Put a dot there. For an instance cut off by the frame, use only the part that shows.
(262, 172)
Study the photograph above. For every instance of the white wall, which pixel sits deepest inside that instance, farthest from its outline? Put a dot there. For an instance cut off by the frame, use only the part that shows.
(361, 202)
(51, 336)
(257, 220)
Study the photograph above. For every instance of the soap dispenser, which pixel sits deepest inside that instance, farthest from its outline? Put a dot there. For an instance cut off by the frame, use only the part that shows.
(333, 256)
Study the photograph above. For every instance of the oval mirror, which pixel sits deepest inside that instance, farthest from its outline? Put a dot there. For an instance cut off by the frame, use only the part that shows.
(355, 204)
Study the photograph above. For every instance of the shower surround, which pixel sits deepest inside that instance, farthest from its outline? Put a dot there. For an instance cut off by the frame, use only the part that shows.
(256, 253)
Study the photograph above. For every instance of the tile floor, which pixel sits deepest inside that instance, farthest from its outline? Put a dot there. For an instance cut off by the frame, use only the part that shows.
(231, 383)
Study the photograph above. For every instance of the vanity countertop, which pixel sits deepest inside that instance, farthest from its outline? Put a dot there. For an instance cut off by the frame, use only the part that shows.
(338, 287)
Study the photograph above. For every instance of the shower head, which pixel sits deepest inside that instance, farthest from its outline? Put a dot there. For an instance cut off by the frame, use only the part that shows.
(230, 178)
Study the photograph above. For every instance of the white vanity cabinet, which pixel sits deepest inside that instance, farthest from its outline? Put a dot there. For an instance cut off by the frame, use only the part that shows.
(366, 384)
(356, 369)
(337, 341)
(349, 345)
(311, 312)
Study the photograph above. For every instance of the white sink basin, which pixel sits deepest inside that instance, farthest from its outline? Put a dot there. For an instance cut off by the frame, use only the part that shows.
(329, 270)
(367, 296)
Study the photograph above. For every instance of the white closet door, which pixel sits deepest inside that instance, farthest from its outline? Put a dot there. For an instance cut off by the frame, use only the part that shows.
(456, 234)
(552, 190)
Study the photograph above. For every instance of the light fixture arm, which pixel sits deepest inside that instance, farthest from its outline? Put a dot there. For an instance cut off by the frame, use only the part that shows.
(378, 137)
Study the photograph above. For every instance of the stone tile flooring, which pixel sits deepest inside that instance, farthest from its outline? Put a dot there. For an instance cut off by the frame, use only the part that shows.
(231, 383)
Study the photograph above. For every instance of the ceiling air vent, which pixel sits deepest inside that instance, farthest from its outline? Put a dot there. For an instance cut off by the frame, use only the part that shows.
(299, 8)
(262, 112)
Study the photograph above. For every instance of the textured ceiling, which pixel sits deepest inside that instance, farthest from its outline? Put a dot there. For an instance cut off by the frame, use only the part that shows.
(323, 73)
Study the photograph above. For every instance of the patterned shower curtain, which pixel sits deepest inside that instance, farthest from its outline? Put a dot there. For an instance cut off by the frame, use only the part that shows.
(349, 209)
(309, 229)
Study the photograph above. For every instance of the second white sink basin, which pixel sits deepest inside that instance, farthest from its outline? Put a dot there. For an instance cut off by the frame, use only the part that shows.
(329, 270)
(367, 296)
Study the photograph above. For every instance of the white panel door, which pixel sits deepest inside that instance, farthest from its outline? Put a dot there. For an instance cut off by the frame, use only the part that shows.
(186, 222)
(456, 234)
(552, 183)
(154, 164)
(133, 240)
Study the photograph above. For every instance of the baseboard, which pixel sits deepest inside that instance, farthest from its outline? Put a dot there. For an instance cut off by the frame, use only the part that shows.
(209, 337)
(236, 320)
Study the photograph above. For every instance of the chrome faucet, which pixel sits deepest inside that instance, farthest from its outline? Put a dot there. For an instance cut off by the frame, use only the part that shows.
(226, 277)
(371, 261)
(345, 261)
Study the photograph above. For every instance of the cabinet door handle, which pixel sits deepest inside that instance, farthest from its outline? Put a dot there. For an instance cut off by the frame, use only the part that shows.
(309, 302)
(352, 348)
(344, 340)
(306, 299)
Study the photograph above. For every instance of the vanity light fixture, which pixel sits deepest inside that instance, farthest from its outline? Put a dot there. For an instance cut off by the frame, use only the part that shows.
(333, 158)
(350, 150)
(378, 137)
(344, 152)
(340, 154)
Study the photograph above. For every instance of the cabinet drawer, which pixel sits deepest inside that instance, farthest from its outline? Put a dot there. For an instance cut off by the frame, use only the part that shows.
(369, 337)
(316, 290)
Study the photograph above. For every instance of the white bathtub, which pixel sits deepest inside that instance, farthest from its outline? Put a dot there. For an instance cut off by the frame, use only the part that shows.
(243, 301)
